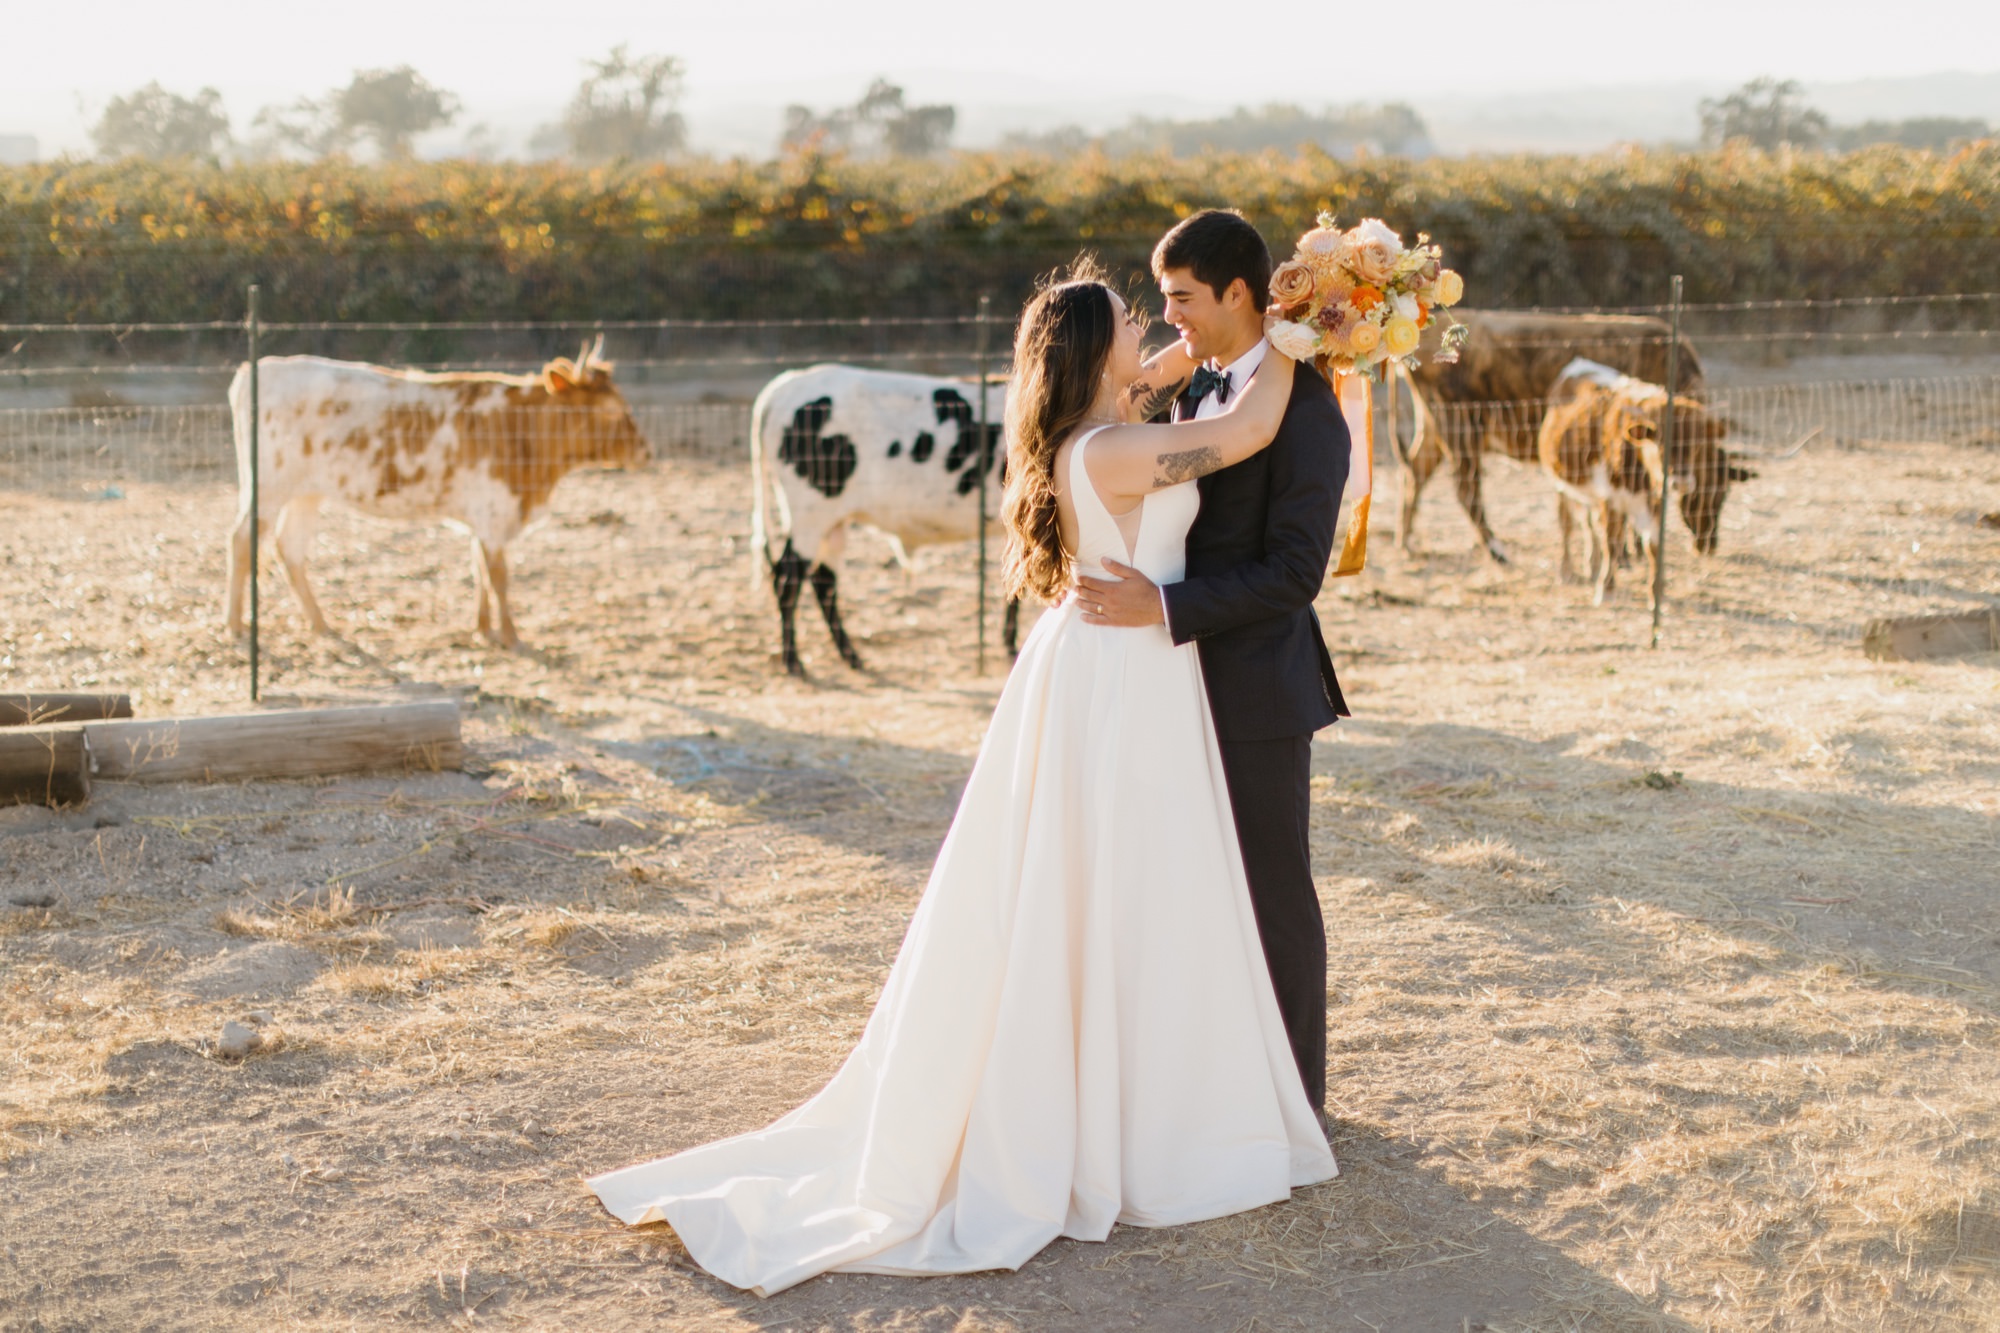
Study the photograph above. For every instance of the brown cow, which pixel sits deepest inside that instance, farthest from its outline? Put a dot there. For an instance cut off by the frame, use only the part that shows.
(480, 451)
(1600, 443)
(1492, 397)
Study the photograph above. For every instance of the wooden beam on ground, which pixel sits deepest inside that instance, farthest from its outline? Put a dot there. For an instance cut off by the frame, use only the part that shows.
(289, 743)
(44, 766)
(1913, 637)
(34, 709)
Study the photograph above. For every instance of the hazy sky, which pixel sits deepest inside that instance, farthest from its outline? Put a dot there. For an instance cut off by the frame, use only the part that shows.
(512, 61)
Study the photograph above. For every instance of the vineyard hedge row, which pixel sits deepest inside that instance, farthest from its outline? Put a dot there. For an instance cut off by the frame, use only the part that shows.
(812, 236)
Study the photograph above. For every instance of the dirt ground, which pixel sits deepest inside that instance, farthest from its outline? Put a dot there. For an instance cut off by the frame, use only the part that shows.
(1662, 991)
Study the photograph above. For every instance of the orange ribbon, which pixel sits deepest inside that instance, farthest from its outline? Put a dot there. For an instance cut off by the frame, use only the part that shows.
(1357, 404)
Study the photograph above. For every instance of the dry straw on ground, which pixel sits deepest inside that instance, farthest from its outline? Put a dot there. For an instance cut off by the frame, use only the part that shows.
(1662, 994)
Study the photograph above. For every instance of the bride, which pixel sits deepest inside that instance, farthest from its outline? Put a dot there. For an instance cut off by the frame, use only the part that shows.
(1080, 1028)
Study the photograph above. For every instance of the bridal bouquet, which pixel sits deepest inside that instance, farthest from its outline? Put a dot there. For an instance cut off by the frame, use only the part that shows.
(1350, 301)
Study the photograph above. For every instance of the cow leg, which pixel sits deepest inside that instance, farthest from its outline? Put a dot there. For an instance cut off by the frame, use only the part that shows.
(1418, 465)
(1624, 551)
(1566, 523)
(826, 590)
(240, 556)
(788, 578)
(1010, 628)
(1651, 551)
(293, 536)
(1465, 475)
(481, 590)
(1608, 530)
(495, 561)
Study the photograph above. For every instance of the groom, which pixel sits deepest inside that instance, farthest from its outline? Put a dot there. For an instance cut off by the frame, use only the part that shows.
(1256, 558)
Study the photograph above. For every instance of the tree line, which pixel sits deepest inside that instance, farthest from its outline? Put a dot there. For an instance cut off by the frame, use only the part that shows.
(1773, 114)
(628, 108)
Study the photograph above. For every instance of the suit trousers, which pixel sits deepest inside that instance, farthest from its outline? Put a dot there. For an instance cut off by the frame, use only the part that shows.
(1270, 793)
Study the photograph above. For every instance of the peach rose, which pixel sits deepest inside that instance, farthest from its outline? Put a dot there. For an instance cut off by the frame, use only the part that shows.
(1365, 338)
(1372, 251)
(1399, 338)
(1292, 284)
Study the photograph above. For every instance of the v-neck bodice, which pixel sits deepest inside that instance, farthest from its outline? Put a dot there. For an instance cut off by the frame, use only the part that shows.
(1159, 546)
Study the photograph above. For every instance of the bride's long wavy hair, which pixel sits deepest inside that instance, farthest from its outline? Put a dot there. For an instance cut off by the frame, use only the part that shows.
(1061, 350)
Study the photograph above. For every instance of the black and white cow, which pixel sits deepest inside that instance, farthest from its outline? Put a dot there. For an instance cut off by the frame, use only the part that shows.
(841, 445)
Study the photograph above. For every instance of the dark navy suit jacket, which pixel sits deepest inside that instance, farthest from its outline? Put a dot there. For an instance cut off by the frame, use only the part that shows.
(1256, 557)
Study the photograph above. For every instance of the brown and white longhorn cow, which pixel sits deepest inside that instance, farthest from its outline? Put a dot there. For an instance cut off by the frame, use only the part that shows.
(482, 452)
(1491, 399)
(1600, 443)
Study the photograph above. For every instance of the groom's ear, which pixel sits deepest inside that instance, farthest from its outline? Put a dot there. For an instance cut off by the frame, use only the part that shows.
(1235, 294)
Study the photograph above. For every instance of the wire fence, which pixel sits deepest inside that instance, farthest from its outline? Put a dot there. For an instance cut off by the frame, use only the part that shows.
(1954, 410)
(87, 452)
(90, 412)
(72, 451)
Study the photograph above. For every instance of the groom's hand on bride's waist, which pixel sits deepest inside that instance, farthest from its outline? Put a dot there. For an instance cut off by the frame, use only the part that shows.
(1129, 600)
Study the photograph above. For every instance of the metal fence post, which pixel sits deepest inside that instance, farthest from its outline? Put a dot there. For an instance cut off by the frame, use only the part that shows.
(254, 451)
(980, 461)
(1666, 460)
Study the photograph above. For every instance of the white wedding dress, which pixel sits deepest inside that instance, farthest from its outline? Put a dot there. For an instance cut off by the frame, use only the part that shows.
(1079, 1029)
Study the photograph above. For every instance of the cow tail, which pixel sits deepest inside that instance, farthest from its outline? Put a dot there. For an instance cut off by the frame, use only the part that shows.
(760, 548)
(1419, 419)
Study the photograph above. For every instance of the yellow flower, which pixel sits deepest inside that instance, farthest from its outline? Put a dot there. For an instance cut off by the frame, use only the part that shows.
(1400, 337)
(1449, 287)
(1365, 338)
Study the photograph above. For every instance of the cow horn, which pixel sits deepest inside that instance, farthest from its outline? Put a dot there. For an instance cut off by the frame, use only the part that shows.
(1799, 444)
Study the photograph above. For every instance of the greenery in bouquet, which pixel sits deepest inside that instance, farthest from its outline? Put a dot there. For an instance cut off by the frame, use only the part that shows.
(1352, 301)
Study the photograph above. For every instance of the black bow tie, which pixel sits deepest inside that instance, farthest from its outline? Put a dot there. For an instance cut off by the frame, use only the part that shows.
(1208, 381)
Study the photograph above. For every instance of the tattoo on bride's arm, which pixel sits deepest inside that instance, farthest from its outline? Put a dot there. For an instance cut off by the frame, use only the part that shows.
(1178, 467)
(1148, 402)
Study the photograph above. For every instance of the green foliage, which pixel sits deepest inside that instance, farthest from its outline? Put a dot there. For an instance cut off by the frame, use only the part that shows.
(1393, 128)
(155, 123)
(625, 109)
(810, 235)
(386, 108)
(1936, 133)
(1768, 113)
(881, 122)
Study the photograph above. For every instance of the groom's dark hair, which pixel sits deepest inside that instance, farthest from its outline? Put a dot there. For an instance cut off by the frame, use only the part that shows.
(1219, 247)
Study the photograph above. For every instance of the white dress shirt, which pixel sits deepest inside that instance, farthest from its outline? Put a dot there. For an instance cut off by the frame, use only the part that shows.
(1239, 371)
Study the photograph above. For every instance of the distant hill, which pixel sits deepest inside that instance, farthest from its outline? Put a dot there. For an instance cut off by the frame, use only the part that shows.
(1576, 120)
